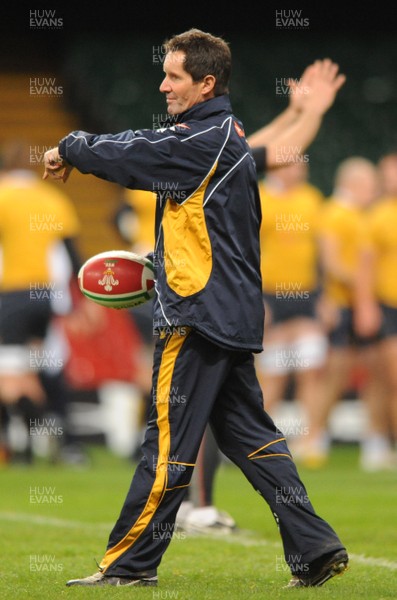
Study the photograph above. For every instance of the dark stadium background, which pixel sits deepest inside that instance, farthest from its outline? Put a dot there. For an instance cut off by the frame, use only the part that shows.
(103, 53)
(102, 58)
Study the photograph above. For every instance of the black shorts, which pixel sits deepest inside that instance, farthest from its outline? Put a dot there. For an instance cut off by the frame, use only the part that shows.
(291, 305)
(389, 321)
(343, 334)
(23, 318)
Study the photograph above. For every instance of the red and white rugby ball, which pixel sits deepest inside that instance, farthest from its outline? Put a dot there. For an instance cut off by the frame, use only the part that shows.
(117, 279)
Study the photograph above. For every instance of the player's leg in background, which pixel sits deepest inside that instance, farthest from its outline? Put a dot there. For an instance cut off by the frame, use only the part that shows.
(376, 443)
(198, 512)
(389, 352)
(339, 361)
(273, 364)
(296, 347)
(308, 355)
(4, 445)
(208, 461)
(388, 356)
(61, 443)
(22, 322)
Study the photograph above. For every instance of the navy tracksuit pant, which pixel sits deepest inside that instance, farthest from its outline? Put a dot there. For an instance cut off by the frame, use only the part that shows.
(196, 381)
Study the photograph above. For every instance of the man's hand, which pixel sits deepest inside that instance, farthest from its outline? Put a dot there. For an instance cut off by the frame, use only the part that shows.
(317, 88)
(298, 89)
(55, 166)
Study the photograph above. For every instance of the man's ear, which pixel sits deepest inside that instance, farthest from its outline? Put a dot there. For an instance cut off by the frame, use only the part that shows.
(209, 82)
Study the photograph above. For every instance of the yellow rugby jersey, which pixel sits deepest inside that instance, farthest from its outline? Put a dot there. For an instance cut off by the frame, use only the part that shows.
(383, 232)
(33, 216)
(289, 256)
(347, 225)
(144, 205)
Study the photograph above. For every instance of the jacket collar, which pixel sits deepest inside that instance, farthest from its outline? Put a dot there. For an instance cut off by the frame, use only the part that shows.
(211, 107)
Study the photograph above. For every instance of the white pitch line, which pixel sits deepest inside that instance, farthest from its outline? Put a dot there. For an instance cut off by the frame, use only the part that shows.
(359, 558)
(374, 562)
(242, 539)
(51, 521)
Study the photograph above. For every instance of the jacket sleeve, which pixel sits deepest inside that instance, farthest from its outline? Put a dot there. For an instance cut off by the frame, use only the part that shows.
(169, 162)
(259, 156)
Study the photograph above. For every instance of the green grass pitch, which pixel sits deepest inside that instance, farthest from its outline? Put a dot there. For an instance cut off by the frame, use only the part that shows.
(46, 543)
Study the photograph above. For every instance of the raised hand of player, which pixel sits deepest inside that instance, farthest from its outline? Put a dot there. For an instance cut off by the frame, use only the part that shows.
(317, 88)
(298, 88)
(55, 166)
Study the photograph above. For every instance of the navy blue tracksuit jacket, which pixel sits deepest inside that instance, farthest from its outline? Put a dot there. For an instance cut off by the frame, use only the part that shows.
(207, 249)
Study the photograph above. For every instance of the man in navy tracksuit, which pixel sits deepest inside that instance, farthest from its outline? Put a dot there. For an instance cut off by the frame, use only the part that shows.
(208, 313)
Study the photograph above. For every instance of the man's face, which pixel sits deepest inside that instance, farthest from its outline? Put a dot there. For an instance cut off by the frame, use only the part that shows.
(365, 187)
(180, 90)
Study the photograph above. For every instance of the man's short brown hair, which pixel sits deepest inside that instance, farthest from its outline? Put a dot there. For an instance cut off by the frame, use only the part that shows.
(205, 54)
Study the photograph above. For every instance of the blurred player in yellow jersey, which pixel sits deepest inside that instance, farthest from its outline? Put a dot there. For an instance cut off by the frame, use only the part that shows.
(294, 343)
(134, 220)
(380, 291)
(37, 227)
(352, 324)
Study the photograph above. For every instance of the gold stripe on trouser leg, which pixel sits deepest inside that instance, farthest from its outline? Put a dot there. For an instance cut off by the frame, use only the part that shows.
(170, 354)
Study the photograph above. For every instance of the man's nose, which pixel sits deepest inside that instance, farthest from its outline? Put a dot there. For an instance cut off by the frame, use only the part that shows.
(165, 86)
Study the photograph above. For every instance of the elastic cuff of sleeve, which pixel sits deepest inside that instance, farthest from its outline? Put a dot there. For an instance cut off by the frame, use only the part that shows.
(62, 149)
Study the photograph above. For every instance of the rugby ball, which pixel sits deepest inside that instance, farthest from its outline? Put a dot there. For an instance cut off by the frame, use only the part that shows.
(117, 279)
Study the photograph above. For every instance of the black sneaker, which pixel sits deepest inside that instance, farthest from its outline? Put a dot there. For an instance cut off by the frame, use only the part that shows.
(145, 578)
(321, 570)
